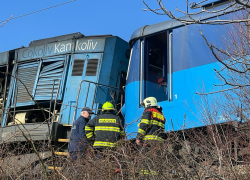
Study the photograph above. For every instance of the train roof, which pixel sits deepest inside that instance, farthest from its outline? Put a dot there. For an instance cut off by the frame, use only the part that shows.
(63, 38)
(172, 24)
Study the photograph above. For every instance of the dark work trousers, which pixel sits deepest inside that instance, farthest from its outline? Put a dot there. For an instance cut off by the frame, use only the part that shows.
(101, 153)
(78, 141)
(151, 159)
(76, 155)
(109, 155)
(82, 153)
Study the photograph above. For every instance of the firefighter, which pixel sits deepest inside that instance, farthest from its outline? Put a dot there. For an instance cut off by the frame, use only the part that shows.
(105, 129)
(78, 141)
(151, 129)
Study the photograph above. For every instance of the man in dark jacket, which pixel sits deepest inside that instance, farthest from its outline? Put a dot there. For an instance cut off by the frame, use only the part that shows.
(105, 129)
(78, 141)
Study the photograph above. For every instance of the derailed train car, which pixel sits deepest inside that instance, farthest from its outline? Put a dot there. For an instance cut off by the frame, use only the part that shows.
(52, 79)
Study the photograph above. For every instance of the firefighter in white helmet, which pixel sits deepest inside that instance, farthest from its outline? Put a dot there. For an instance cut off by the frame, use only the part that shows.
(151, 130)
(152, 125)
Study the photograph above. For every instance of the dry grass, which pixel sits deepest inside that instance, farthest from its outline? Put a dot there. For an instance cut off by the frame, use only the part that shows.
(212, 152)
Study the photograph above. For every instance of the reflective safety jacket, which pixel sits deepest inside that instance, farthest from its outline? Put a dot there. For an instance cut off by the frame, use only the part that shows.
(106, 129)
(152, 125)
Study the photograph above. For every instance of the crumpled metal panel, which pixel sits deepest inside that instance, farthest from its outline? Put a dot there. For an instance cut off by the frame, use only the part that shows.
(36, 131)
(49, 78)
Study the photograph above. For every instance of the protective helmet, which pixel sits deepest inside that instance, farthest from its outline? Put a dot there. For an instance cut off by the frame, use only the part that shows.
(149, 101)
(107, 106)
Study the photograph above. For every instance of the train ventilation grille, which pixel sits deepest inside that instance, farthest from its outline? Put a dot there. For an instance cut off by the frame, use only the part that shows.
(26, 76)
(48, 80)
(78, 67)
(92, 67)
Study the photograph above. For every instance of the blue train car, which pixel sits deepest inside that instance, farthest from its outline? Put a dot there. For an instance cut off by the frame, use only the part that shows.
(171, 61)
(54, 78)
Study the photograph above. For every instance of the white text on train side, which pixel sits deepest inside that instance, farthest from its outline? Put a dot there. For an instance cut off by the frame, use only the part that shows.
(59, 48)
(88, 45)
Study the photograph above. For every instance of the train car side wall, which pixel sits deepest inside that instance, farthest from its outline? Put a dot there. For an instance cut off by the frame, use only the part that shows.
(114, 68)
(192, 70)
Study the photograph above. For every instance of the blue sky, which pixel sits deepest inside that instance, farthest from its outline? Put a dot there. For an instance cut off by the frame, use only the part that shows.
(90, 17)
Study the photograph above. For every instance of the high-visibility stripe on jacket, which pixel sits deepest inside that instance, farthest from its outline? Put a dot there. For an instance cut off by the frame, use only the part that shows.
(152, 137)
(104, 144)
(152, 125)
(106, 129)
(148, 172)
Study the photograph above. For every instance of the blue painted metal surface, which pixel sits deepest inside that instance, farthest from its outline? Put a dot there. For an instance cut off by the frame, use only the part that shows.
(9, 98)
(186, 84)
(109, 53)
(192, 70)
(72, 86)
(61, 68)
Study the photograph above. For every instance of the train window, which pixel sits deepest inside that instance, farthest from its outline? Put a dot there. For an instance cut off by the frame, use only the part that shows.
(155, 67)
(91, 67)
(134, 64)
(155, 61)
(78, 67)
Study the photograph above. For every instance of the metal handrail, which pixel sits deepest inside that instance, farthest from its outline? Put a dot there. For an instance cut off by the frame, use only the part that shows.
(90, 82)
(52, 94)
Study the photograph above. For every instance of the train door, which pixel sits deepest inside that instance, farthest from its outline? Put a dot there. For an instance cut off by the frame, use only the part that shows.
(91, 76)
(75, 74)
(77, 92)
(155, 67)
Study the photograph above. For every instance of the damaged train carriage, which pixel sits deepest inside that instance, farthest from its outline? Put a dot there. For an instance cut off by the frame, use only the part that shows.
(54, 78)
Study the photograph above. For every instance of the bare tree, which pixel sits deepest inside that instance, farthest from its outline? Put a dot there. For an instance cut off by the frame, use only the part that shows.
(194, 18)
(234, 56)
(5, 21)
